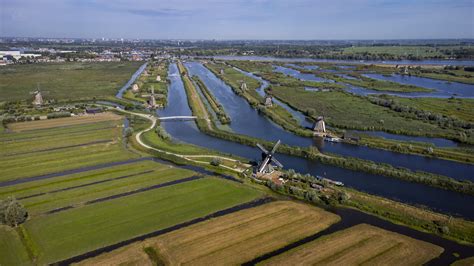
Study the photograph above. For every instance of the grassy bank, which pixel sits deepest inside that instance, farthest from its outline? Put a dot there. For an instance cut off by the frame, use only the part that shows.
(215, 105)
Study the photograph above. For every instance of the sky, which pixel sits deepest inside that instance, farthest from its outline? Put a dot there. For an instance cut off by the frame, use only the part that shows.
(238, 19)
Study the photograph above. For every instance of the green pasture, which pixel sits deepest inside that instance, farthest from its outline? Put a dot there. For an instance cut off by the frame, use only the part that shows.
(23, 154)
(65, 80)
(12, 251)
(76, 231)
(462, 109)
(347, 111)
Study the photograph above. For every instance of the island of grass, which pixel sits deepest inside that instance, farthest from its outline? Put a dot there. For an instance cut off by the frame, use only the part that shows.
(65, 81)
(360, 244)
(154, 77)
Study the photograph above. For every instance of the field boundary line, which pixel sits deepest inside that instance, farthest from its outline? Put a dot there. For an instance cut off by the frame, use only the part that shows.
(124, 194)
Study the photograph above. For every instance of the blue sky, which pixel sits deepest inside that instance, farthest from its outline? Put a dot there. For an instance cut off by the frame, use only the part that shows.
(238, 19)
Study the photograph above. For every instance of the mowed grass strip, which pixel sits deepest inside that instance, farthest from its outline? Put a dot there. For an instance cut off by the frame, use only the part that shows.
(57, 142)
(78, 196)
(231, 239)
(360, 244)
(29, 165)
(12, 251)
(55, 153)
(62, 122)
(59, 131)
(78, 179)
(76, 231)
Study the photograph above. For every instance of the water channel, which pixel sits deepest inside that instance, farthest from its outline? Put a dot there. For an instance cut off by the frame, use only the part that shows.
(413, 193)
(246, 120)
(443, 89)
(387, 62)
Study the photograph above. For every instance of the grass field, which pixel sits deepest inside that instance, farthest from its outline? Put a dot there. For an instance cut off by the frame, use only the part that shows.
(360, 244)
(62, 122)
(64, 81)
(12, 251)
(76, 189)
(462, 109)
(76, 231)
(423, 51)
(347, 111)
(66, 145)
(231, 239)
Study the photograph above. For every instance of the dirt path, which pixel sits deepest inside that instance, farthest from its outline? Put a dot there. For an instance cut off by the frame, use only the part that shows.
(153, 121)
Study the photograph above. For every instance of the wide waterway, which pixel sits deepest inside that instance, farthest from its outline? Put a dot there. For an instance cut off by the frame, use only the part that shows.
(246, 120)
(413, 193)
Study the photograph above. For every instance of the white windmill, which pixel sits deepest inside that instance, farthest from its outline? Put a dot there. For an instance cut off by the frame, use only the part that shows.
(265, 165)
(152, 101)
(38, 96)
(243, 85)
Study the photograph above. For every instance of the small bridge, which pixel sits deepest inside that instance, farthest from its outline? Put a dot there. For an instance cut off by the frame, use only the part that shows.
(177, 118)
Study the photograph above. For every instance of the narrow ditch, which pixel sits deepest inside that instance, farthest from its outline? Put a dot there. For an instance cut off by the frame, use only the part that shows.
(84, 185)
(124, 194)
(351, 218)
(61, 148)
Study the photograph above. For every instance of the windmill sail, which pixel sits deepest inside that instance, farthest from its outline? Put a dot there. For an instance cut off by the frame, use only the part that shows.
(267, 159)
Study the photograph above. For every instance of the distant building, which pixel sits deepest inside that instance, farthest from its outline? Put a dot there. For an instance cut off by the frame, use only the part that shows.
(158, 78)
(17, 54)
(222, 71)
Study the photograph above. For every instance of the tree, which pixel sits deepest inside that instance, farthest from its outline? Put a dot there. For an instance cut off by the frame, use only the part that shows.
(128, 132)
(216, 161)
(12, 212)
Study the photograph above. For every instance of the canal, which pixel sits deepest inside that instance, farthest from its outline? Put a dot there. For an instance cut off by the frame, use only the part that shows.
(246, 120)
(437, 199)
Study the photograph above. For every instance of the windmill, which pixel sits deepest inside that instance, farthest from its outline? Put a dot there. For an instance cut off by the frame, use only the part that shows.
(152, 101)
(267, 159)
(319, 126)
(38, 96)
(243, 85)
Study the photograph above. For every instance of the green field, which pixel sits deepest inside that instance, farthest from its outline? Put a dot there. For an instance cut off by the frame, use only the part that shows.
(346, 111)
(422, 51)
(12, 251)
(49, 150)
(73, 232)
(64, 81)
(462, 109)
(102, 183)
